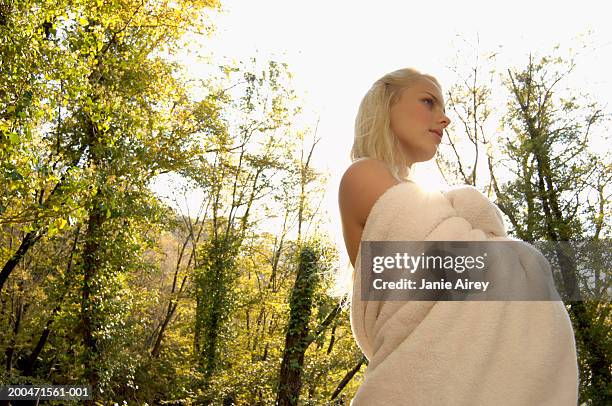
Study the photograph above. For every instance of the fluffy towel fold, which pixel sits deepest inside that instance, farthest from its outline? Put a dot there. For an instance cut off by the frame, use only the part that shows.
(450, 352)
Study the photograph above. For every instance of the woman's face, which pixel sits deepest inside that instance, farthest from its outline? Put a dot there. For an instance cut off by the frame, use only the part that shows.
(419, 110)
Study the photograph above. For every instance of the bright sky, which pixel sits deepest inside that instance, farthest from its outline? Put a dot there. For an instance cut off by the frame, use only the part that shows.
(337, 49)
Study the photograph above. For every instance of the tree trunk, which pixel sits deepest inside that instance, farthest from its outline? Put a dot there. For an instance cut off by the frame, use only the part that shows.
(90, 295)
(296, 340)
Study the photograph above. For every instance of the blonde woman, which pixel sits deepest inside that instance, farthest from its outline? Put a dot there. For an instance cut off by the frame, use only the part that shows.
(400, 122)
(514, 353)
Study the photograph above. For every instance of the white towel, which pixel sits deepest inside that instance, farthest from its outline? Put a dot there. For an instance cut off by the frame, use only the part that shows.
(457, 352)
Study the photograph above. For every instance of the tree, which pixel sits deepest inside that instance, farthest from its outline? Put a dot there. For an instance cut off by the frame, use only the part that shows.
(110, 113)
(552, 144)
(554, 188)
(236, 176)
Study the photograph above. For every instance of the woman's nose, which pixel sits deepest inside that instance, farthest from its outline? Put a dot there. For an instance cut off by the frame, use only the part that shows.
(445, 120)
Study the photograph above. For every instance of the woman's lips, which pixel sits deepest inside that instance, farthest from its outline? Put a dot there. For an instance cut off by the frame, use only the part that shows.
(435, 134)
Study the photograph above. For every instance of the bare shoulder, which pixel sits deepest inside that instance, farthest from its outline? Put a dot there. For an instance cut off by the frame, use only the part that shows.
(361, 185)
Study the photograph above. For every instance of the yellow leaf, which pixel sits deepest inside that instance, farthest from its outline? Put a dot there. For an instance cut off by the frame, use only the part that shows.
(52, 231)
(61, 223)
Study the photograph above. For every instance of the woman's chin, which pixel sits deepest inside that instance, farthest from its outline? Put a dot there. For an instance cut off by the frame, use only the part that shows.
(427, 154)
(423, 154)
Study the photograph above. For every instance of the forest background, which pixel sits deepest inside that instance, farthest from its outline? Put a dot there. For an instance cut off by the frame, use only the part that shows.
(162, 237)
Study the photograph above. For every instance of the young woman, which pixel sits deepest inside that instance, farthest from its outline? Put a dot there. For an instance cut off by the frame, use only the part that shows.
(400, 121)
(443, 352)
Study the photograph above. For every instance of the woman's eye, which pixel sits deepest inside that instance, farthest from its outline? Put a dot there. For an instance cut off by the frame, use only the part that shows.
(429, 100)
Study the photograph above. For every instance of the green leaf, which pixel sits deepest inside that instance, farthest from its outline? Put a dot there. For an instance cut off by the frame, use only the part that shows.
(14, 138)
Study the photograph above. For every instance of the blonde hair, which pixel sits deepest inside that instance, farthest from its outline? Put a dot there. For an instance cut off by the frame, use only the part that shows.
(373, 135)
